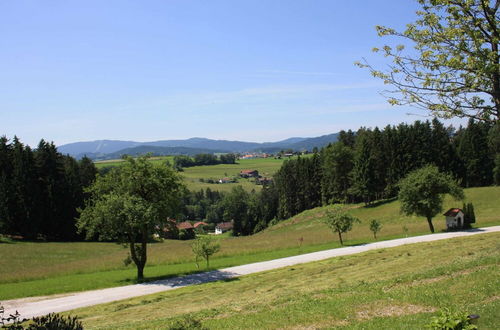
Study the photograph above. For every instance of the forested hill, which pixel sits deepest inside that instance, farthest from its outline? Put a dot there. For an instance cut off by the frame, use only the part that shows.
(159, 151)
(102, 149)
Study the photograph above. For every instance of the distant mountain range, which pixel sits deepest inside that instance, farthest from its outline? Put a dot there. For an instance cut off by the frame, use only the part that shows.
(112, 149)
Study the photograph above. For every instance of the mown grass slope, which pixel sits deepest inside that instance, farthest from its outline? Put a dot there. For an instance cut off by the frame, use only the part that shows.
(398, 288)
(30, 269)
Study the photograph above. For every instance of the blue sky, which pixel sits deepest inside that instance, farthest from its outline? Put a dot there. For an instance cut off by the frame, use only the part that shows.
(259, 70)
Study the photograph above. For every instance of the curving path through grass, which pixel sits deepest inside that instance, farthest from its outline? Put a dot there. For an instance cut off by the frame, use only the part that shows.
(30, 307)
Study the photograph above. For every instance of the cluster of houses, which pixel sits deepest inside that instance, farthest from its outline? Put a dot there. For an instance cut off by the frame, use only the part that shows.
(255, 155)
(188, 230)
(248, 174)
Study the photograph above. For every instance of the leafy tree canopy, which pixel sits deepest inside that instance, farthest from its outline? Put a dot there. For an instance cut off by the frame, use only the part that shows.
(340, 221)
(130, 204)
(422, 191)
(453, 67)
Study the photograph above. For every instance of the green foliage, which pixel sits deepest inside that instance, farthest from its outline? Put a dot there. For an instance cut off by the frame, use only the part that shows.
(339, 220)
(375, 227)
(496, 170)
(52, 321)
(55, 321)
(448, 320)
(422, 191)
(204, 247)
(469, 215)
(187, 323)
(452, 68)
(186, 234)
(130, 204)
(40, 190)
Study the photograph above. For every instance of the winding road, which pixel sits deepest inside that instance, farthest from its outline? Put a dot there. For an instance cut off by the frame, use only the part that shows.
(30, 307)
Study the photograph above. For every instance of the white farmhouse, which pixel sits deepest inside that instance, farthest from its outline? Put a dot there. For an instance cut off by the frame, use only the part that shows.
(454, 218)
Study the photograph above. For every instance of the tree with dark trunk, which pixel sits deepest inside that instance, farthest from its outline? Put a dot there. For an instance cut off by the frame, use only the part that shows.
(130, 204)
(422, 192)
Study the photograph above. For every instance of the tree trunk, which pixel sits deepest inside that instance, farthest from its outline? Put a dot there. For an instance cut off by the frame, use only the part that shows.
(140, 272)
(340, 238)
(431, 226)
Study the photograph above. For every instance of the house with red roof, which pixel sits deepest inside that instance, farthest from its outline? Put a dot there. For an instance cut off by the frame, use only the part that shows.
(454, 218)
(223, 227)
(249, 173)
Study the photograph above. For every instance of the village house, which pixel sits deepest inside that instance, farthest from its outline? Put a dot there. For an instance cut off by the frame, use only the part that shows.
(226, 180)
(249, 174)
(263, 181)
(223, 227)
(454, 218)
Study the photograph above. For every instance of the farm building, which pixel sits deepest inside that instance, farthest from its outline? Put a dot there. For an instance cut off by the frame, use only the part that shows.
(249, 173)
(263, 181)
(223, 227)
(200, 223)
(226, 180)
(454, 218)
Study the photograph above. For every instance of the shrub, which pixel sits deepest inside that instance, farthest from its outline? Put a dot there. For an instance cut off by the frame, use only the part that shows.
(448, 320)
(187, 323)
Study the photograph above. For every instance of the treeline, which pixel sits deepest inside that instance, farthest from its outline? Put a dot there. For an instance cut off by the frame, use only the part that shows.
(367, 165)
(363, 166)
(249, 211)
(40, 190)
(203, 159)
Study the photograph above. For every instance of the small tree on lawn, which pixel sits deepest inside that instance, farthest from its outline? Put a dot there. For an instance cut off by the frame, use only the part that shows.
(204, 247)
(422, 192)
(130, 204)
(375, 227)
(339, 221)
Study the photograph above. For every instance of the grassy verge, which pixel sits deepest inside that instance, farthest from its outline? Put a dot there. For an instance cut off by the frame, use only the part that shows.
(30, 269)
(83, 281)
(398, 288)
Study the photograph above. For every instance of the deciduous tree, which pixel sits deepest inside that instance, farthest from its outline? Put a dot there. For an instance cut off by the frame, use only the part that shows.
(422, 191)
(453, 68)
(130, 204)
(340, 221)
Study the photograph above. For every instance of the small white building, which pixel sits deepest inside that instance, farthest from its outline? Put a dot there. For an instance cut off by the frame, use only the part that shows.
(223, 227)
(454, 218)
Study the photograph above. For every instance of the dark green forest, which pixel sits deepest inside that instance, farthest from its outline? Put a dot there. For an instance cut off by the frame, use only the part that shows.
(41, 189)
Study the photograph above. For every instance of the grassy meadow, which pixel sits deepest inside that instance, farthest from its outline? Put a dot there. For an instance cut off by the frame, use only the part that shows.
(397, 288)
(32, 269)
(192, 175)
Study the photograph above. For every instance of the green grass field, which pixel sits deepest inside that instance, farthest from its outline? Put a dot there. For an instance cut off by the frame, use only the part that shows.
(31, 269)
(192, 175)
(398, 288)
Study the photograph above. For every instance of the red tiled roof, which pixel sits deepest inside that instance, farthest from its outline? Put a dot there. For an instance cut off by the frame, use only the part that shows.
(452, 212)
(225, 225)
(200, 223)
(248, 171)
(185, 225)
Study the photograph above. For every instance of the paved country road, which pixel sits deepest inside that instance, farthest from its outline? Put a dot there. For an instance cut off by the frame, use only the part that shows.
(29, 307)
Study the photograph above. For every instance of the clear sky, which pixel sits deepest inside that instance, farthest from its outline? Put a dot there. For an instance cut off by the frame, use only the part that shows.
(254, 70)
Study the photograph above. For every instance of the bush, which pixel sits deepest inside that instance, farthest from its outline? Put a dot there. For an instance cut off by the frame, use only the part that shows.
(185, 234)
(51, 321)
(187, 322)
(448, 320)
(55, 321)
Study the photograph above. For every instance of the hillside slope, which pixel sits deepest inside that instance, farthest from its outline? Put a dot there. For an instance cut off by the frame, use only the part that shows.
(29, 268)
(397, 288)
